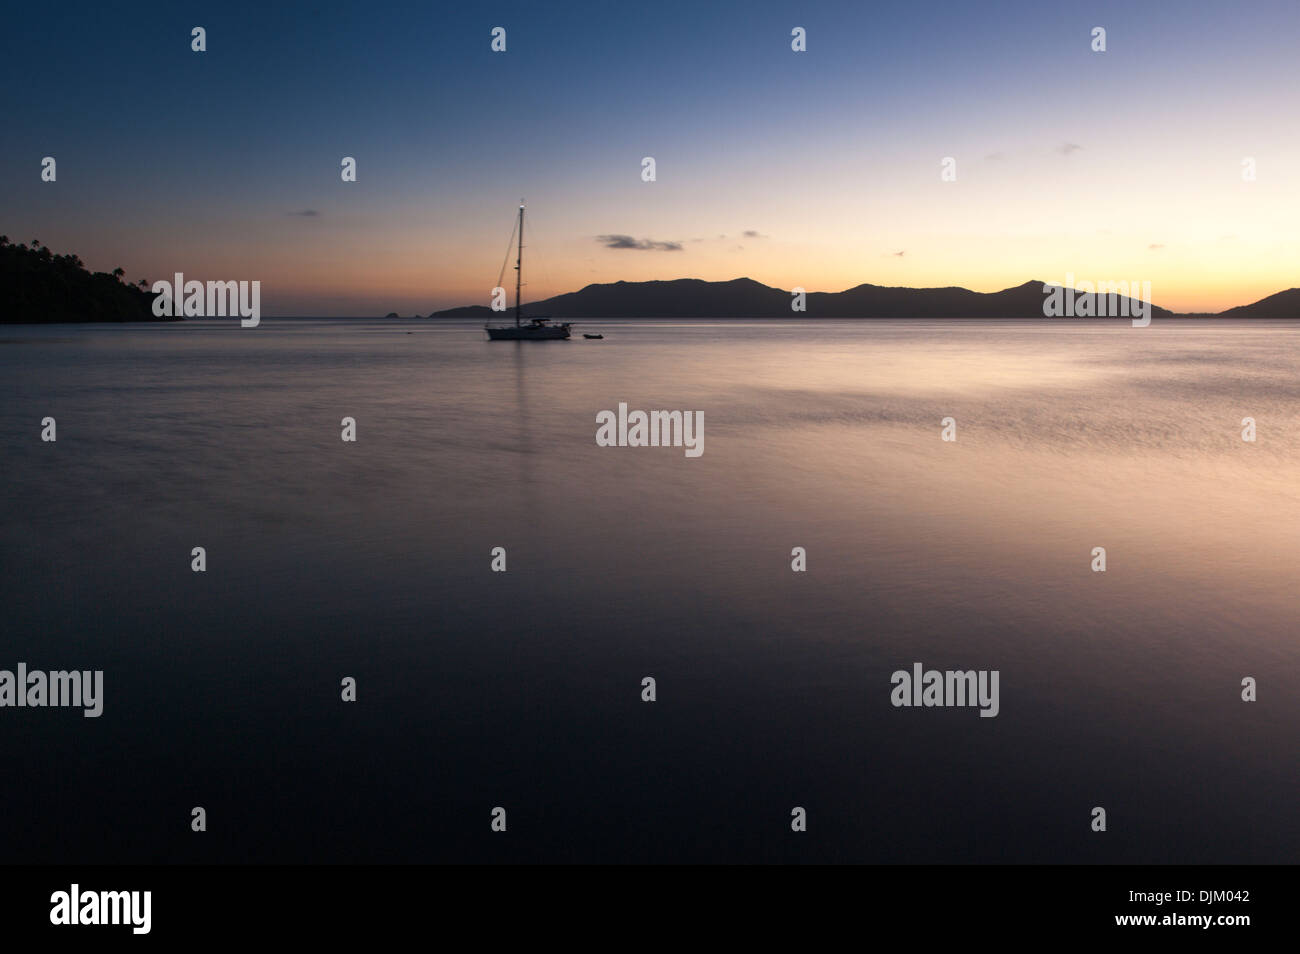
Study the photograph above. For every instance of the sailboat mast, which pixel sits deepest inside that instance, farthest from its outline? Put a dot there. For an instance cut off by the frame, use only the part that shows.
(519, 264)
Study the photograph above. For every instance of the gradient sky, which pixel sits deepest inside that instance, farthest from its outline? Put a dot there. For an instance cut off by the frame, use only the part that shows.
(1124, 165)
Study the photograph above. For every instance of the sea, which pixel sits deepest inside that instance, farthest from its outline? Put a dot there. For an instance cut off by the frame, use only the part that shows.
(630, 654)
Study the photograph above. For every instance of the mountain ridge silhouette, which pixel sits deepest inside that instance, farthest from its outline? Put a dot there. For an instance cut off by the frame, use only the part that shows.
(746, 298)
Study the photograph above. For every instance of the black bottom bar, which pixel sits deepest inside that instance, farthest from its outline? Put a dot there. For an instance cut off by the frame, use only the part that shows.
(495, 903)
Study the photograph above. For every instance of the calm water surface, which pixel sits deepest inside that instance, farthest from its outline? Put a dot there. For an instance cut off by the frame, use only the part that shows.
(522, 689)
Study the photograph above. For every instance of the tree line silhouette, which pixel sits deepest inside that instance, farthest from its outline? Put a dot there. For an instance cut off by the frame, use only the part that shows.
(38, 286)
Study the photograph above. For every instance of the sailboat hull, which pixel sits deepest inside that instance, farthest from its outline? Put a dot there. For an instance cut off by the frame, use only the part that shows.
(526, 333)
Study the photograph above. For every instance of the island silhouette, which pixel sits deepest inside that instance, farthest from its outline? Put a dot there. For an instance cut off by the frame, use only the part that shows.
(745, 298)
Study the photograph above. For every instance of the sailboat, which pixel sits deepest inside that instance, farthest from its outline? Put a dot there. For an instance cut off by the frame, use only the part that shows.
(535, 329)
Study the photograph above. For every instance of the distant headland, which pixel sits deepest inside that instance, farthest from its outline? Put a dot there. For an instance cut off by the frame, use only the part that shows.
(39, 287)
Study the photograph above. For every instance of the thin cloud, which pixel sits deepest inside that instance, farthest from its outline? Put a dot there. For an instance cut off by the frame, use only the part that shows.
(995, 156)
(1154, 245)
(900, 254)
(750, 233)
(1068, 147)
(640, 245)
(305, 213)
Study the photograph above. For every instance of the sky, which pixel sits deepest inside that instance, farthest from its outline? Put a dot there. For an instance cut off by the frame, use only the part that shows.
(818, 169)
